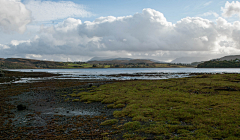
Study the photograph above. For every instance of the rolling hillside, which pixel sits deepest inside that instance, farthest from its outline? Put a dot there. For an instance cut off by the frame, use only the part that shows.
(231, 61)
(21, 63)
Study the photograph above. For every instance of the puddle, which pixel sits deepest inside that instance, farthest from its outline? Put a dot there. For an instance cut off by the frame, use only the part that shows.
(68, 112)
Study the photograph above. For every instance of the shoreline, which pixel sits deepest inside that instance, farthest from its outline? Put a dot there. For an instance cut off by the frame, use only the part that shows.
(65, 109)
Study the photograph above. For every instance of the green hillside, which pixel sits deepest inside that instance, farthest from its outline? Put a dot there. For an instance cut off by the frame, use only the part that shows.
(220, 64)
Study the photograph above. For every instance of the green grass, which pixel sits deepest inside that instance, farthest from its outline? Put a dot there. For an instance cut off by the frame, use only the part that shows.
(200, 107)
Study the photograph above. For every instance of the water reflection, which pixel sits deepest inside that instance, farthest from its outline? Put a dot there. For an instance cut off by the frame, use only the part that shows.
(122, 73)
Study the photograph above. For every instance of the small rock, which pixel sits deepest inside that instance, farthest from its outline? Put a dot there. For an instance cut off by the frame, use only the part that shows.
(90, 85)
(21, 107)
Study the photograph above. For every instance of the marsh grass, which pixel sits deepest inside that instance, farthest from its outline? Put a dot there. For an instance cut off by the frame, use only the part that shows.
(201, 107)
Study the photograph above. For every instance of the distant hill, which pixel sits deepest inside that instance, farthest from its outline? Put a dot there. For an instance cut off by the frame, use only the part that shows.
(107, 59)
(103, 60)
(188, 60)
(22, 63)
(156, 61)
(231, 61)
(114, 61)
(196, 63)
(229, 57)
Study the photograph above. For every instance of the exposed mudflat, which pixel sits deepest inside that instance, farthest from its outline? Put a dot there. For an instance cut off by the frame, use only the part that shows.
(48, 104)
(49, 115)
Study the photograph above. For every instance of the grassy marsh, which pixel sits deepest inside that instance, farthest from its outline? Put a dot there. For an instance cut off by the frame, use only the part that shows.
(199, 107)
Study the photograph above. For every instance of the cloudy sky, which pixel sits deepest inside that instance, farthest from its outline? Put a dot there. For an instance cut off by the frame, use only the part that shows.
(155, 29)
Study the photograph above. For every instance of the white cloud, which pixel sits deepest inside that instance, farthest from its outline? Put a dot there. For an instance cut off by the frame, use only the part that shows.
(142, 35)
(17, 42)
(231, 9)
(209, 14)
(207, 3)
(49, 10)
(33, 56)
(13, 16)
(3, 47)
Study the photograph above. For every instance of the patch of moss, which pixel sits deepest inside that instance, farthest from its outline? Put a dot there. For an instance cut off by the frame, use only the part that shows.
(75, 100)
(104, 134)
(67, 99)
(127, 135)
(118, 114)
(111, 106)
(109, 122)
(139, 118)
(119, 106)
(132, 125)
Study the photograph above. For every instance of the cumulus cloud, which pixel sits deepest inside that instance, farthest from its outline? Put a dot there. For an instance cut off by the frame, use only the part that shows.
(231, 9)
(142, 35)
(50, 10)
(13, 16)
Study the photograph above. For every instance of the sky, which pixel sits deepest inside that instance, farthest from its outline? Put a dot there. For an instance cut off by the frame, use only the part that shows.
(78, 30)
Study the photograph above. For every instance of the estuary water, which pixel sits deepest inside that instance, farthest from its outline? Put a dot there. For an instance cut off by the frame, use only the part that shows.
(109, 71)
(126, 73)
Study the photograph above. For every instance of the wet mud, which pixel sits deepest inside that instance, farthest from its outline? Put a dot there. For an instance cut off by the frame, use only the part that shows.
(48, 115)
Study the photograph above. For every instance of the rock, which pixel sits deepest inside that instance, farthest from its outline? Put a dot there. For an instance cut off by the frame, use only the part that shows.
(21, 107)
(1, 74)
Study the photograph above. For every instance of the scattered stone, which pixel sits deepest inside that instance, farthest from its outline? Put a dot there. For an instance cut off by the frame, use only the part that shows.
(21, 107)
(90, 85)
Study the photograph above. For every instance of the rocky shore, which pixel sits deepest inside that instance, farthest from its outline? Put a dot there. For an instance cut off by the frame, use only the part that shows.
(41, 111)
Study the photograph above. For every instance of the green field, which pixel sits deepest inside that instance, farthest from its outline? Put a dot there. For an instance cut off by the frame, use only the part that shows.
(199, 107)
(73, 65)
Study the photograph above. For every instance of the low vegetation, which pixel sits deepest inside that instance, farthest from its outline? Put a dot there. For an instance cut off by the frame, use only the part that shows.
(220, 64)
(109, 122)
(199, 107)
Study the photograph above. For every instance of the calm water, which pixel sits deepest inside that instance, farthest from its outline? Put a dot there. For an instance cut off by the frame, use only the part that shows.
(125, 73)
(110, 71)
